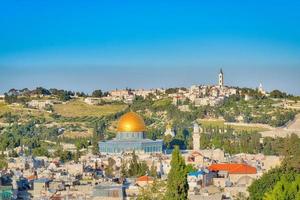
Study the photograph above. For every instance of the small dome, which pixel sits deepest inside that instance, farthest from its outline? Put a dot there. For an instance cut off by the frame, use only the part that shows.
(131, 122)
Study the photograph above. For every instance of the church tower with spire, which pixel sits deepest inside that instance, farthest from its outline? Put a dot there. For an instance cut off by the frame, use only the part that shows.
(221, 78)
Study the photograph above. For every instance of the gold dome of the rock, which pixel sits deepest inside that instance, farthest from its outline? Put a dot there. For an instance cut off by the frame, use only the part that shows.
(131, 122)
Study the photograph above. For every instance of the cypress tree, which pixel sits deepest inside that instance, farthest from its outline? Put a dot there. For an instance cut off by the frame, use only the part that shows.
(177, 185)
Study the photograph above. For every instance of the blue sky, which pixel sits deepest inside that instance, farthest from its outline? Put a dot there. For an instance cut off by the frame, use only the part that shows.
(85, 45)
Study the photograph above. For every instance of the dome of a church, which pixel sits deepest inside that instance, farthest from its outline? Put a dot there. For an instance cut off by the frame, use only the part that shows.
(131, 122)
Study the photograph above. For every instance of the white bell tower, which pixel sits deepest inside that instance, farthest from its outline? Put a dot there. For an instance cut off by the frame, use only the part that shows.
(221, 79)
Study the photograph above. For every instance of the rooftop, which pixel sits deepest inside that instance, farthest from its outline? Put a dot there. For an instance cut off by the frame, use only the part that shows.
(233, 168)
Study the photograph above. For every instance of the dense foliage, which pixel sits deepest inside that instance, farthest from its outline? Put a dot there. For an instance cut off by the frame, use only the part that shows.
(254, 111)
(288, 187)
(177, 185)
(135, 168)
(153, 191)
(281, 182)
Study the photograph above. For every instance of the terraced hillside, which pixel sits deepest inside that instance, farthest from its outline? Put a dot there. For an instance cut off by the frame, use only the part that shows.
(79, 109)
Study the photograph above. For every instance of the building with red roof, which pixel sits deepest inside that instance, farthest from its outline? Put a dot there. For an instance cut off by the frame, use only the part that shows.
(233, 168)
(234, 173)
(144, 180)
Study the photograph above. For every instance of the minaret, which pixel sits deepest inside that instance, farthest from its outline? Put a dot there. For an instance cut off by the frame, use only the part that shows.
(221, 79)
(196, 137)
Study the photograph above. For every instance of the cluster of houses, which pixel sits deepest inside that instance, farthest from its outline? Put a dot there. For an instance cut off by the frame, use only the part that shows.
(217, 175)
(199, 95)
(127, 96)
(203, 95)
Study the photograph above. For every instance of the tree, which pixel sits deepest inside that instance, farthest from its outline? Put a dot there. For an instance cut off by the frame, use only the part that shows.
(133, 167)
(177, 185)
(63, 155)
(229, 118)
(205, 141)
(260, 186)
(64, 96)
(278, 94)
(280, 190)
(288, 188)
(171, 90)
(97, 93)
(137, 168)
(167, 141)
(98, 135)
(190, 168)
(291, 152)
(123, 170)
(40, 151)
(294, 190)
(152, 191)
(41, 91)
(13, 98)
(81, 94)
(109, 170)
(277, 183)
(153, 171)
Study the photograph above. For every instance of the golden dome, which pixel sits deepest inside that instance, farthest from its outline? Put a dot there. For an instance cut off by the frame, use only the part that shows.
(131, 122)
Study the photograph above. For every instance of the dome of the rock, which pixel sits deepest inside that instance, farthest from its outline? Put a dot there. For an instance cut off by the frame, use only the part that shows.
(131, 122)
(130, 137)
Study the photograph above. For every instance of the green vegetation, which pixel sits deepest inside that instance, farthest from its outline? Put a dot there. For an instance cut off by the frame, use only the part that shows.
(232, 143)
(31, 135)
(9, 118)
(177, 185)
(276, 184)
(254, 111)
(282, 95)
(109, 170)
(221, 124)
(40, 151)
(98, 135)
(285, 188)
(153, 191)
(31, 130)
(27, 134)
(3, 162)
(25, 95)
(72, 120)
(64, 156)
(136, 168)
(81, 109)
(4, 108)
(15, 99)
(99, 93)
(281, 182)
(190, 168)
